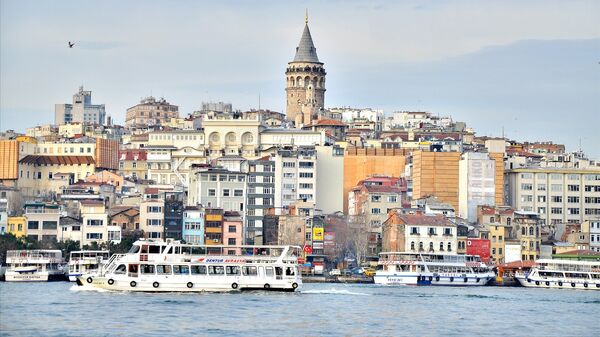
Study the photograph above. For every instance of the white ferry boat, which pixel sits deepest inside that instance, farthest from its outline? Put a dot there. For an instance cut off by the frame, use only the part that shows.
(158, 266)
(86, 262)
(34, 265)
(567, 274)
(399, 268)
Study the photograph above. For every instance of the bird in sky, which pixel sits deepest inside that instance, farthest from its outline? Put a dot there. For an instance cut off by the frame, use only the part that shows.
(71, 44)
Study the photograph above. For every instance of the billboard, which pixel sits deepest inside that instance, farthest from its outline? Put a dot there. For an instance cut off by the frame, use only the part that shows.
(318, 234)
(512, 252)
(479, 247)
(329, 243)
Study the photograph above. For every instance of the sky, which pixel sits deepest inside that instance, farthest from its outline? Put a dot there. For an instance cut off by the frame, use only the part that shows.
(530, 69)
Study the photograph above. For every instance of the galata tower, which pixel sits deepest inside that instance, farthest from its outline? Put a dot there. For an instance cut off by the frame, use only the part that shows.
(305, 82)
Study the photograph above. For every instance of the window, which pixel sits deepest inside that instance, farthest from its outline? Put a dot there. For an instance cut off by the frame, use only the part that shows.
(431, 231)
(526, 175)
(541, 187)
(449, 246)
(573, 200)
(412, 245)
(33, 224)
(249, 271)
(153, 222)
(573, 211)
(238, 193)
(542, 210)
(448, 231)
(232, 229)
(573, 188)
(163, 270)
(93, 236)
(392, 198)
(154, 209)
(421, 246)
(226, 192)
(526, 198)
(212, 192)
(375, 211)
(556, 210)
(289, 164)
(213, 177)
(181, 270)
(306, 164)
(231, 241)
(555, 176)
(557, 198)
(198, 270)
(147, 269)
(431, 246)
(526, 187)
(541, 198)
(306, 174)
(95, 222)
(232, 270)
(306, 186)
(49, 225)
(375, 198)
(216, 270)
(556, 188)
(414, 230)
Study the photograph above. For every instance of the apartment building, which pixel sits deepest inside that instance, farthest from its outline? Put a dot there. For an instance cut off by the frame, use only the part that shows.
(193, 225)
(260, 196)
(295, 176)
(42, 220)
(419, 233)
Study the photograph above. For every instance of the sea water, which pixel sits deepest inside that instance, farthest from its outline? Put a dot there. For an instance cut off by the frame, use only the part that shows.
(62, 309)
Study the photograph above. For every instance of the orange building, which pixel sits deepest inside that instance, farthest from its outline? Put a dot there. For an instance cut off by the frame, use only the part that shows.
(436, 173)
(9, 159)
(107, 154)
(361, 163)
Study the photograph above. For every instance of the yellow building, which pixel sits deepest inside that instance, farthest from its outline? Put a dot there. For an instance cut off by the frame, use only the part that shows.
(361, 163)
(17, 226)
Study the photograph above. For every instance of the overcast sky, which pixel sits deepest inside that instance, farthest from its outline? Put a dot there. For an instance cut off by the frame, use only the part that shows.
(530, 67)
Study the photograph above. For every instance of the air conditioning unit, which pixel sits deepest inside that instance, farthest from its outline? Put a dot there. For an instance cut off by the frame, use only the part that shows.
(216, 240)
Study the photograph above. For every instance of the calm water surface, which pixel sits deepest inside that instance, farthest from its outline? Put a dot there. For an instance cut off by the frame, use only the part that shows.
(59, 309)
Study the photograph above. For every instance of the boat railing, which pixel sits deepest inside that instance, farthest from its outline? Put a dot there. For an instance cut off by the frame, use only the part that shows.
(110, 265)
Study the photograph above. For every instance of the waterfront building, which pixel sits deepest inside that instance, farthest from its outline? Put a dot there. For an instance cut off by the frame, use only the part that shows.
(295, 176)
(594, 226)
(232, 136)
(305, 82)
(70, 229)
(215, 187)
(133, 164)
(213, 226)
(42, 220)
(126, 217)
(361, 163)
(232, 231)
(96, 227)
(81, 110)
(558, 195)
(173, 211)
(476, 179)
(152, 217)
(529, 234)
(17, 225)
(260, 196)
(193, 225)
(150, 112)
(330, 183)
(171, 154)
(419, 233)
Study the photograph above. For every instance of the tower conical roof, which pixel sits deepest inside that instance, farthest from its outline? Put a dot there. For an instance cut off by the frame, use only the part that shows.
(306, 51)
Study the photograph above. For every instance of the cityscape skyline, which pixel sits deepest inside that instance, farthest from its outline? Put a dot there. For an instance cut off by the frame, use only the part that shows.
(494, 78)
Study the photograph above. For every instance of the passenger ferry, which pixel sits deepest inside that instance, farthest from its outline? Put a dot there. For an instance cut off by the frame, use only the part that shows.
(566, 274)
(34, 265)
(399, 268)
(172, 266)
(86, 262)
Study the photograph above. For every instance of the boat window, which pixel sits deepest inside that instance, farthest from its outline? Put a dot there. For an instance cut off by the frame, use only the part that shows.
(163, 269)
(147, 269)
(177, 250)
(170, 250)
(249, 270)
(233, 270)
(154, 249)
(134, 249)
(144, 249)
(181, 270)
(216, 270)
(197, 270)
(269, 271)
(278, 271)
(198, 250)
(289, 271)
(121, 269)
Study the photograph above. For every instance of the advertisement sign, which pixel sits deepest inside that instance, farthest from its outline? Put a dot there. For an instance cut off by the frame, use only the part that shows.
(318, 234)
(317, 245)
(512, 252)
(329, 237)
(479, 247)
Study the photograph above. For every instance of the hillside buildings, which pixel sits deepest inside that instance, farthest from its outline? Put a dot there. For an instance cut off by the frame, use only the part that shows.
(81, 110)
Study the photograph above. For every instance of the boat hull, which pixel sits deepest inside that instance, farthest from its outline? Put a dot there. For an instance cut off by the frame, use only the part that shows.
(181, 284)
(433, 279)
(12, 276)
(537, 282)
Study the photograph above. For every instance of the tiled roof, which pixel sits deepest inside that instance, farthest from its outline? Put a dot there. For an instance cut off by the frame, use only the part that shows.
(57, 160)
(421, 219)
(382, 189)
(133, 155)
(328, 122)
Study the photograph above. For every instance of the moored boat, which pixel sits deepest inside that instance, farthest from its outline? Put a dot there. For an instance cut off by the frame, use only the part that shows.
(564, 274)
(34, 265)
(172, 266)
(405, 268)
(86, 262)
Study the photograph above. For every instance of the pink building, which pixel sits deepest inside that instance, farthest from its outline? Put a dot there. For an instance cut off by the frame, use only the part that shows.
(232, 231)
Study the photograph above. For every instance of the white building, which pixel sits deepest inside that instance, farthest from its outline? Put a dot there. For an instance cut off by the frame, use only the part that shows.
(295, 176)
(595, 234)
(350, 114)
(330, 183)
(82, 110)
(558, 195)
(476, 183)
(94, 222)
